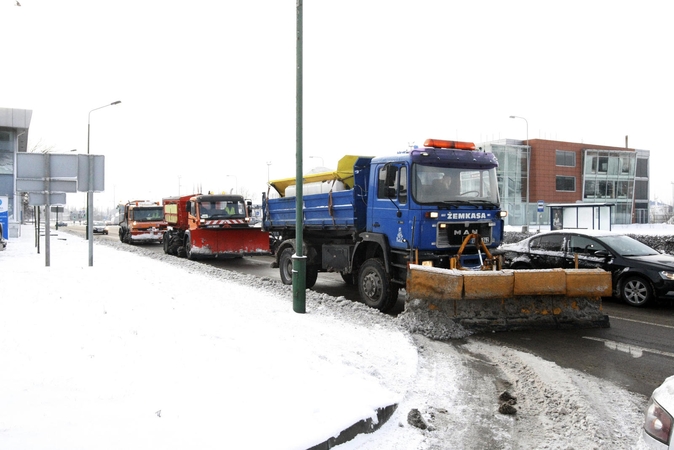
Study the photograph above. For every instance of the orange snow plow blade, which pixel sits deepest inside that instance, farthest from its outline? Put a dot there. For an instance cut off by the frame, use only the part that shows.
(500, 300)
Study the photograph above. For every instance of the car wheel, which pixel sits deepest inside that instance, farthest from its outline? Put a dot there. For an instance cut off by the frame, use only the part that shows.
(636, 291)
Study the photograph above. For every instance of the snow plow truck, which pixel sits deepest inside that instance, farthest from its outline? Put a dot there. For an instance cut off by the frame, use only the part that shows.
(424, 220)
(211, 226)
(141, 222)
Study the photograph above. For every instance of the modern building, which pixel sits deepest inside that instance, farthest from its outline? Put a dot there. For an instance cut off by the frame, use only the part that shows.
(540, 171)
(14, 124)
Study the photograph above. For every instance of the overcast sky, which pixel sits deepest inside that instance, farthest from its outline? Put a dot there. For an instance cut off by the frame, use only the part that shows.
(208, 88)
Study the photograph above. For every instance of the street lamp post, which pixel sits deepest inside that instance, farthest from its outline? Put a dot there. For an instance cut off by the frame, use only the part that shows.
(268, 165)
(90, 190)
(525, 228)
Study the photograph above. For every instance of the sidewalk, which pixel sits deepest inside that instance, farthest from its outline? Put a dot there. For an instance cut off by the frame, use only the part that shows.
(138, 353)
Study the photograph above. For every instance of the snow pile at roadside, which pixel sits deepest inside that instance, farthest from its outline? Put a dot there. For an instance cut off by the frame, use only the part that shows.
(146, 350)
(135, 353)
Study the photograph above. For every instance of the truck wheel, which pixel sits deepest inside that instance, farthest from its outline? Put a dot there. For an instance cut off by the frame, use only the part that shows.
(188, 250)
(375, 287)
(349, 278)
(636, 291)
(311, 277)
(285, 266)
(121, 235)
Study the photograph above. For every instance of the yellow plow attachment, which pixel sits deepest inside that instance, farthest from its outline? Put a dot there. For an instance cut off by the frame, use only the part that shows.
(441, 302)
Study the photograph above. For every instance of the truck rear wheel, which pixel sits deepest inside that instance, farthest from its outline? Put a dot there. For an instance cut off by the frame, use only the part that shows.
(311, 277)
(286, 269)
(375, 286)
(285, 265)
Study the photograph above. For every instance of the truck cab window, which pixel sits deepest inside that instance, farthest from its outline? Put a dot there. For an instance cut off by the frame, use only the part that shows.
(392, 183)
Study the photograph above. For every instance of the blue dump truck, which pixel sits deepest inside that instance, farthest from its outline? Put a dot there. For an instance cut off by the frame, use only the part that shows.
(373, 216)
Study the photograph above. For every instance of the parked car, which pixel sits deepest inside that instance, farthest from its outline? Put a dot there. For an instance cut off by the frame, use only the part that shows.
(61, 224)
(659, 417)
(100, 227)
(639, 272)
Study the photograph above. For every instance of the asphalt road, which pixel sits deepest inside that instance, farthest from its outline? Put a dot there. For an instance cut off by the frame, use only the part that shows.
(636, 352)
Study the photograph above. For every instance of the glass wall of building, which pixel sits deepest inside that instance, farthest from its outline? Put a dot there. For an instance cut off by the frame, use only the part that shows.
(608, 176)
(7, 168)
(512, 180)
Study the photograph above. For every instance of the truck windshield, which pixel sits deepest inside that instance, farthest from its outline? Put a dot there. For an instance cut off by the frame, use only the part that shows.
(433, 184)
(150, 214)
(222, 209)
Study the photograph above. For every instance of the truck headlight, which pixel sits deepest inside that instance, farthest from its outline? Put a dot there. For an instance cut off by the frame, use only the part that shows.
(658, 422)
(667, 275)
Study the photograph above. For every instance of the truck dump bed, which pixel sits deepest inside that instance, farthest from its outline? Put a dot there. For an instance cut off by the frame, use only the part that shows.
(333, 210)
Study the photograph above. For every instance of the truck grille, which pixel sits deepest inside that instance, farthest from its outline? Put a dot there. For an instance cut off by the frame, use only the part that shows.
(453, 234)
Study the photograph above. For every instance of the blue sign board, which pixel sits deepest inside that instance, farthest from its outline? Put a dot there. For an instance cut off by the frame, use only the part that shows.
(541, 206)
(4, 218)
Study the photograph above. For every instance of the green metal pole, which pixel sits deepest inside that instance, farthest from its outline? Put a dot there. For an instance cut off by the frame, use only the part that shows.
(299, 260)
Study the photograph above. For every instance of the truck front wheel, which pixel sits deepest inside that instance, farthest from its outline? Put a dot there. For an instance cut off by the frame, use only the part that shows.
(375, 287)
(191, 255)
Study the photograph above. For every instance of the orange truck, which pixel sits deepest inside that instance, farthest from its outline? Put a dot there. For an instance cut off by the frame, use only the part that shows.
(141, 222)
(212, 226)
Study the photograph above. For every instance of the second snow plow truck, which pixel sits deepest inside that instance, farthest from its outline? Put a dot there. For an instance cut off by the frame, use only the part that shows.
(424, 220)
(210, 226)
(141, 222)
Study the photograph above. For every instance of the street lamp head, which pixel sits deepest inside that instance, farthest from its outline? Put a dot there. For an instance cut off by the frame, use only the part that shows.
(513, 117)
(116, 103)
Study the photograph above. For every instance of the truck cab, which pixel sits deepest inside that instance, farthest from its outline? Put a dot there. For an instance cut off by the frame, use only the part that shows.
(212, 226)
(141, 222)
(431, 198)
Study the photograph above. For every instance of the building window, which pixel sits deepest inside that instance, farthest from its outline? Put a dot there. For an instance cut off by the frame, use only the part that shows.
(5, 141)
(642, 167)
(600, 164)
(641, 189)
(564, 158)
(567, 184)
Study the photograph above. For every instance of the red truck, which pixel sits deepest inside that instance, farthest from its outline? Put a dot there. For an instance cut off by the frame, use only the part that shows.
(211, 226)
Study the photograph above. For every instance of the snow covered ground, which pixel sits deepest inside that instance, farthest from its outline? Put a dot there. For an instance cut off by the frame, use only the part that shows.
(145, 351)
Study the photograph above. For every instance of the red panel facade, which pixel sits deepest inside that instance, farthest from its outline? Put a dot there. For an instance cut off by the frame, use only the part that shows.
(544, 169)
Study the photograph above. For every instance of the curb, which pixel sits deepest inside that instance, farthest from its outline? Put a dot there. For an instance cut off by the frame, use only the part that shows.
(364, 426)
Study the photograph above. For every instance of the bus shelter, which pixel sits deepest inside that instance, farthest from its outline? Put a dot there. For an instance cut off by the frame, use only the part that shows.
(591, 216)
